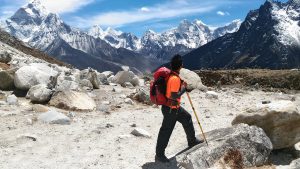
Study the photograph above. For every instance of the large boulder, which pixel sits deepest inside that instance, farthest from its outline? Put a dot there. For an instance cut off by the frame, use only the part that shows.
(108, 73)
(192, 79)
(102, 79)
(5, 57)
(279, 119)
(39, 93)
(53, 117)
(6, 80)
(34, 74)
(86, 84)
(142, 96)
(72, 100)
(67, 82)
(123, 76)
(249, 143)
(90, 75)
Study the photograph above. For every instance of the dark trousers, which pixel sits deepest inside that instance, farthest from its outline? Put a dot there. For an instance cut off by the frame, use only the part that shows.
(168, 124)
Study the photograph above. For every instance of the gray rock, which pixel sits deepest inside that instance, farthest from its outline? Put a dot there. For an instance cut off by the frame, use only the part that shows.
(34, 74)
(90, 75)
(2, 95)
(123, 76)
(140, 133)
(53, 117)
(6, 80)
(5, 57)
(192, 79)
(111, 79)
(72, 100)
(39, 93)
(135, 81)
(212, 95)
(103, 108)
(67, 85)
(2, 103)
(12, 100)
(279, 119)
(250, 142)
(85, 83)
(127, 84)
(102, 79)
(108, 73)
(129, 101)
(125, 68)
(142, 96)
(295, 164)
(40, 108)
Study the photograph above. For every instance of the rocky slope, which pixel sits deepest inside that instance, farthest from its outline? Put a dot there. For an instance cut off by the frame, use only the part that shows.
(52, 115)
(268, 38)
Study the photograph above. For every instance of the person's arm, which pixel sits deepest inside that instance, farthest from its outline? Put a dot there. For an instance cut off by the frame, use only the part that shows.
(176, 92)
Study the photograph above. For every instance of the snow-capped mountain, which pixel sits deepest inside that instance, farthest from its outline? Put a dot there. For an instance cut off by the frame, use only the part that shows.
(187, 36)
(229, 28)
(44, 30)
(116, 38)
(268, 38)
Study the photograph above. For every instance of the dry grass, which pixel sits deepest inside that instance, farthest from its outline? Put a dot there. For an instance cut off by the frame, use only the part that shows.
(284, 79)
(4, 66)
(234, 159)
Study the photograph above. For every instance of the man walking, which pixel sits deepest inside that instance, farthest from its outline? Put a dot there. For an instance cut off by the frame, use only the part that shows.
(174, 112)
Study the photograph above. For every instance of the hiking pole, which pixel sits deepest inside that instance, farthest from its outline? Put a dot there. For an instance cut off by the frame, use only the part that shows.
(196, 116)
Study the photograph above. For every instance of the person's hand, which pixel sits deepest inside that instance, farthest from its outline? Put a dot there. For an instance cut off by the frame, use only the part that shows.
(184, 84)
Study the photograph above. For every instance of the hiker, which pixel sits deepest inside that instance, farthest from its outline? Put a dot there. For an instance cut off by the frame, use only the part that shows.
(173, 112)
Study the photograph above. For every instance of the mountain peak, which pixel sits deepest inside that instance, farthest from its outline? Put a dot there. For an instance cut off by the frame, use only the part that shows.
(36, 7)
(199, 22)
(112, 31)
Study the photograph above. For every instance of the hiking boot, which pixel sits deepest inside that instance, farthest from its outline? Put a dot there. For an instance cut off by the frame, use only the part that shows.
(195, 142)
(162, 158)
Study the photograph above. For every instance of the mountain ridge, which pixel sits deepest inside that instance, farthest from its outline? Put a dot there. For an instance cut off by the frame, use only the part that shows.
(264, 40)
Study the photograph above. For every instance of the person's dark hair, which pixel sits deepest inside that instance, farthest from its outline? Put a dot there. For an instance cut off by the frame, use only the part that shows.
(176, 62)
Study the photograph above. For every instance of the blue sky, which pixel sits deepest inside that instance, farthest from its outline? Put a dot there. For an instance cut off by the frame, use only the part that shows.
(137, 16)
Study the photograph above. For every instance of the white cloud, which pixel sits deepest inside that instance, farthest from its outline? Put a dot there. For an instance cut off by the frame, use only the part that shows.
(221, 13)
(171, 9)
(64, 6)
(145, 9)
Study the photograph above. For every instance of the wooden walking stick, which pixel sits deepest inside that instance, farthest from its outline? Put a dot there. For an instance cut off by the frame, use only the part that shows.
(196, 117)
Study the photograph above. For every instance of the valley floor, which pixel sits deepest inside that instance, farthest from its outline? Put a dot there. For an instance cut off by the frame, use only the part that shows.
(102, 139)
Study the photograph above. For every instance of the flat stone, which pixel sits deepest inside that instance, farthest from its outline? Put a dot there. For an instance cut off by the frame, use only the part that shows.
(72, 100)
(53, 117)
(279, 119)
(140, 133)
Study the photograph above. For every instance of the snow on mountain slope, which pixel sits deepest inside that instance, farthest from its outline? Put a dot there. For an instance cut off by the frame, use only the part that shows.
(116, 38)
(268, 38)
(288, 25)
(191, 35)
(229, 28)
(41, 29)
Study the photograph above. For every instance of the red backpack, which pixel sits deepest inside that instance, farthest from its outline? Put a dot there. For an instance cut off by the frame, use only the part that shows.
(158, 87)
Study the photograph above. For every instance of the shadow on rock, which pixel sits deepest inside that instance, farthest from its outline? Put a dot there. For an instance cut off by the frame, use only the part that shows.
(159, 165)
(284, 156)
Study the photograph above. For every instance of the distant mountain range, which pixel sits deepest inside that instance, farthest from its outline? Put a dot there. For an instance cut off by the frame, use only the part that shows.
(107, 49)
(268, 38)
(186, 37)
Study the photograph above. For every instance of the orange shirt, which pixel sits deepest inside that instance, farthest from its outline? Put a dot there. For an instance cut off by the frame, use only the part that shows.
(173, 85)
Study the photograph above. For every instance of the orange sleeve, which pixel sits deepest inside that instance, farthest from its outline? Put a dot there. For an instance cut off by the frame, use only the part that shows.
(173, 85)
